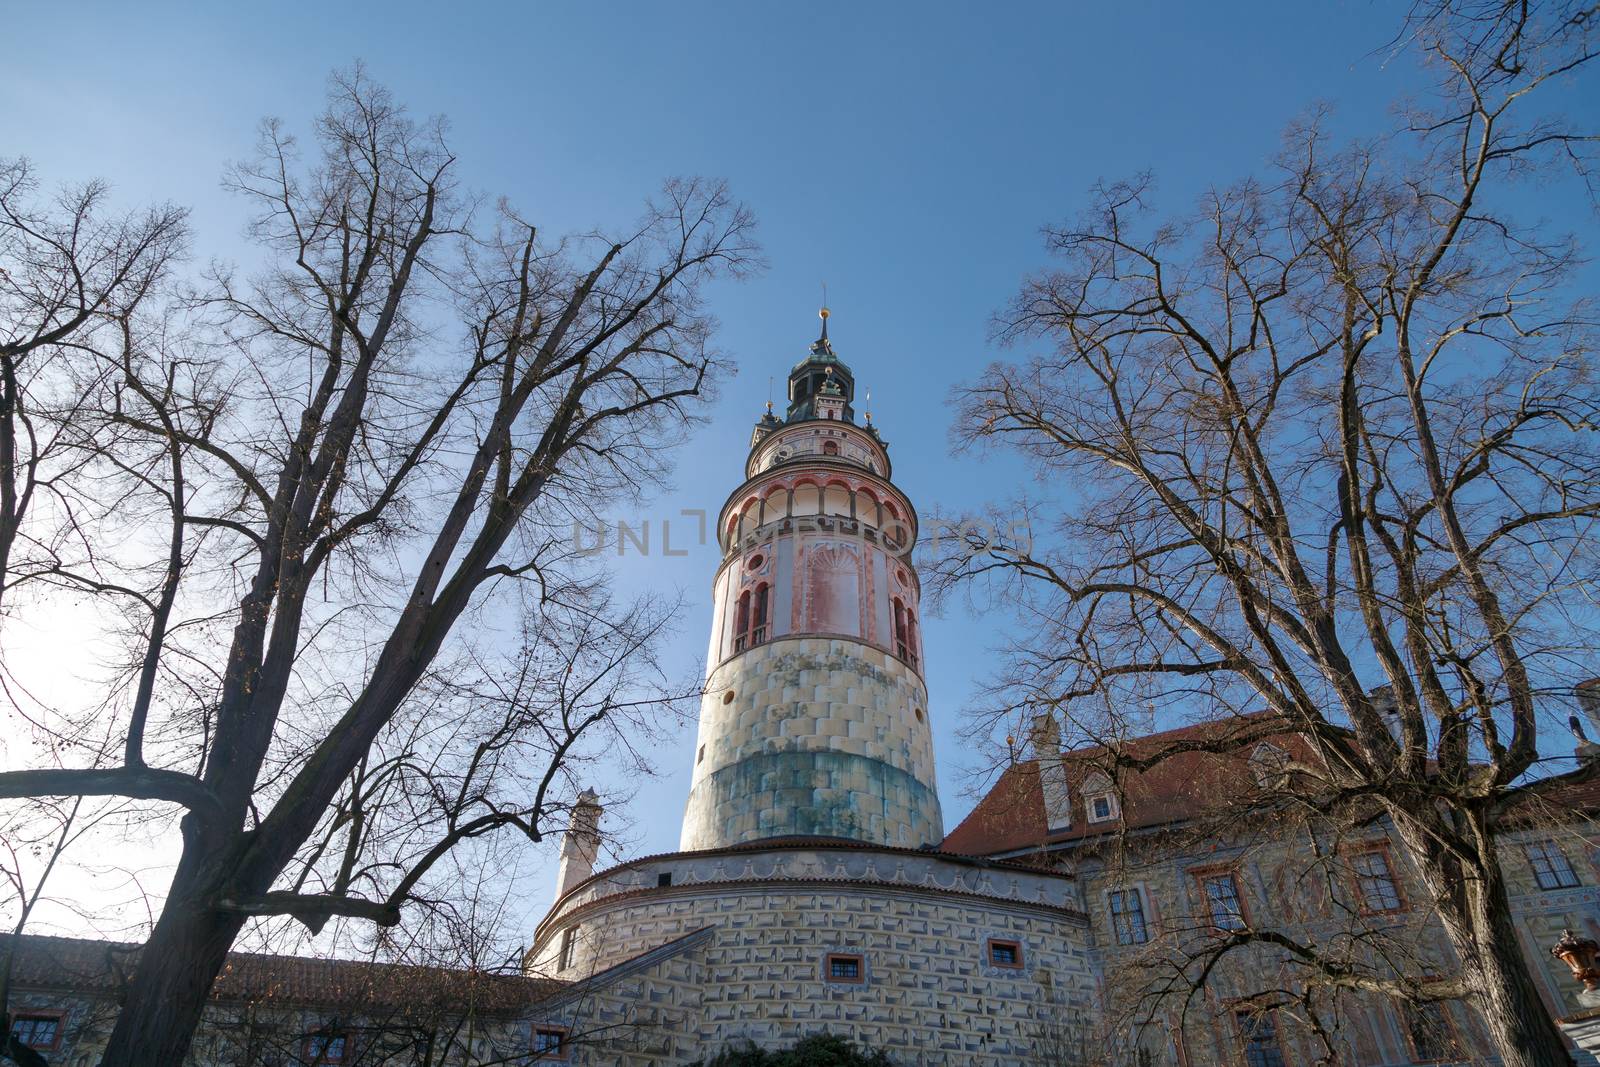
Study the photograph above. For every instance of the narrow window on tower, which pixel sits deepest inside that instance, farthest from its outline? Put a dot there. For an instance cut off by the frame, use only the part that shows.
(568, 937)
(911, 638)
(741, 623)
(758, 614)
(900, 646)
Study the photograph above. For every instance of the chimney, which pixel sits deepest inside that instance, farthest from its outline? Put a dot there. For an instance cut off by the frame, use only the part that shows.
(1046, 737)
(1588, 694)
(580, 844)
(1587, 751)
(1388, 709)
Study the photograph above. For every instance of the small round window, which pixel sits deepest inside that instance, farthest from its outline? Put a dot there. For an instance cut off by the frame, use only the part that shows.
(727, 698)
(919, 714)
(755, 562)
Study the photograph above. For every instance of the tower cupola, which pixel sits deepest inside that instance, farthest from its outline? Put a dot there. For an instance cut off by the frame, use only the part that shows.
(821, 386)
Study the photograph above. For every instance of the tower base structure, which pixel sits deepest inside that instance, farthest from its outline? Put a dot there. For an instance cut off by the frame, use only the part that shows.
(932, 957)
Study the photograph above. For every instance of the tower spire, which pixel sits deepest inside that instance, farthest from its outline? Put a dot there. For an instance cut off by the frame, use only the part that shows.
(823, 314)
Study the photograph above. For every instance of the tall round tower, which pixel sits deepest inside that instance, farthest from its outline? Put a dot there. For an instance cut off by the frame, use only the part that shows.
(814, 720)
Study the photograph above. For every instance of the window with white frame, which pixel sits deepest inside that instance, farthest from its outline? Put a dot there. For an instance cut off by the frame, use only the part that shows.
(1551, 868)
(1223, 905)
(1127, 916)
(1375, 880)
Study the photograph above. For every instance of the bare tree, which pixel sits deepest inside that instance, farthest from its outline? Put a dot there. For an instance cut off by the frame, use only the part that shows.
(304, 495)
(67, 272)
(1334, 431)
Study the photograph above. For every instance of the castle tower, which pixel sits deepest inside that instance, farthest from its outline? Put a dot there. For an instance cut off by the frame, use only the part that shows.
(814, 720)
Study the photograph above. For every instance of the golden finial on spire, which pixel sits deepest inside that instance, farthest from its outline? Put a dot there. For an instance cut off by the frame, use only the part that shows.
(823, 313)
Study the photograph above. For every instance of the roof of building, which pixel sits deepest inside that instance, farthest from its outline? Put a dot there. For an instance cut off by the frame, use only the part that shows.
(85, 965)
(1011, 817)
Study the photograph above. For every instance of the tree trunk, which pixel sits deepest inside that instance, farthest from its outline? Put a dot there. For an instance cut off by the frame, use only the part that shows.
(1476, 914)
(177, 968)
(1519, 1022)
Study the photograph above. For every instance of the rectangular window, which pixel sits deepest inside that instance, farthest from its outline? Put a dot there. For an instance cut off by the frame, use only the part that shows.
(1376, 882)
(1101, 808)
(1258, 1033)
(842, 968)
(663, 879)
(1550, 866)
(1127, 916)
(1222, 900)
(568, 937)
(37, 1031)
(549, 1043)
(1006, 954)
(1429, 1031)
(322, 1049)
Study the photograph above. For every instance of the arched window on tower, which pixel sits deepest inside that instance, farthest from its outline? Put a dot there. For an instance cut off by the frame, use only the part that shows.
(830, 448)
(750, 617)
(905, 628)
(741, 621)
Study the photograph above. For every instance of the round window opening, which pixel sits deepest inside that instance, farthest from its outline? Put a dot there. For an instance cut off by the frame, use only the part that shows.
(755, 562)
(905, 579)
(727, 698)
(919, 714)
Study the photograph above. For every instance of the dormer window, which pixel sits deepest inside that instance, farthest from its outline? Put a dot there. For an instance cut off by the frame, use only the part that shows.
(1267, 764)
(1100, 799)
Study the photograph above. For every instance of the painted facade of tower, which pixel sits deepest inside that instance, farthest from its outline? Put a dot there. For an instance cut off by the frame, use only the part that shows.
(815, 719)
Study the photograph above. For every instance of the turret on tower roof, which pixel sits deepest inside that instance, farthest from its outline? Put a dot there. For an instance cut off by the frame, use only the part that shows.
(822, 372)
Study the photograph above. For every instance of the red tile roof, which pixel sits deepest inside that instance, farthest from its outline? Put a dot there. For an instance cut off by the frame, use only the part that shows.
(81, 965)
(1011, 816)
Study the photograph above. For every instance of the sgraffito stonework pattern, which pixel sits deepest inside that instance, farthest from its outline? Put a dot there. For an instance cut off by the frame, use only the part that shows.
(928, 992)
(818, 736)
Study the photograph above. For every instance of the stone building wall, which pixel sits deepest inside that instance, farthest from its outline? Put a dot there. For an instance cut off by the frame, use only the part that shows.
(242, 1034)
(1284, 888)
(928, 993)
(1543, 913)
(813, 736)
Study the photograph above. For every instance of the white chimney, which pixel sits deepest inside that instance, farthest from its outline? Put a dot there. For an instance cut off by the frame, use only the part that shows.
(1388, 709)
(1046, 739)
(1589, 700)
(581, 843)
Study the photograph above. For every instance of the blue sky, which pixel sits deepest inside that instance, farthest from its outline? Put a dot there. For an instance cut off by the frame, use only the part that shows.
(906, 154)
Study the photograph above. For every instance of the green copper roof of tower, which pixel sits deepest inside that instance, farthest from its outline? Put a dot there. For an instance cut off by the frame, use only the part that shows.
(821, 373)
